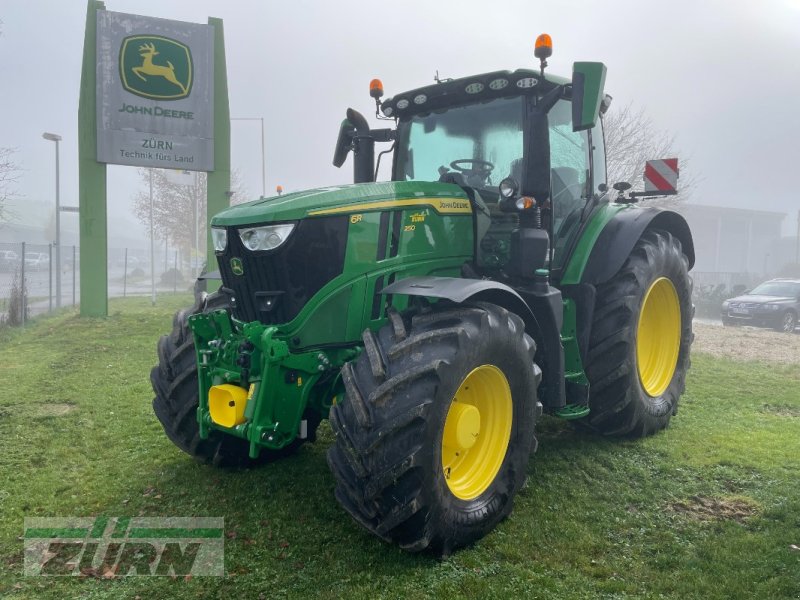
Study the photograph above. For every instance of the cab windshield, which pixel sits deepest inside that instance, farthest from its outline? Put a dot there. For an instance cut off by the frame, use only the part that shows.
(482, 142)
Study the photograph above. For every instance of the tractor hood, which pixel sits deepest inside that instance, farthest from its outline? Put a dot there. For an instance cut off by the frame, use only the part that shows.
(338, 199)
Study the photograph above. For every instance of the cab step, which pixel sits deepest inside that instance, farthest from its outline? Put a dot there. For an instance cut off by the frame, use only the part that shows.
(572, 411)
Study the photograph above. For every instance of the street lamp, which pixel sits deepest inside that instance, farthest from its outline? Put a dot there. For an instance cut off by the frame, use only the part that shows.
(53, 137)
(263, 168)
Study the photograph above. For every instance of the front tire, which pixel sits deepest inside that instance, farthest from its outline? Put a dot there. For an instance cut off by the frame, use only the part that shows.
(434, 435)
(641, 335)
(788, 322)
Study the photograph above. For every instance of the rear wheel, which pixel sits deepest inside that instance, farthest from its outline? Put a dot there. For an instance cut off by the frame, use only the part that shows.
(434, 435)
(641, 335)
(175, 384)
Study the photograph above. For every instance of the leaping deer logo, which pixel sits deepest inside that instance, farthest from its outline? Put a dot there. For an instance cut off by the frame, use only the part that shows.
(155, 67)
(147, 52)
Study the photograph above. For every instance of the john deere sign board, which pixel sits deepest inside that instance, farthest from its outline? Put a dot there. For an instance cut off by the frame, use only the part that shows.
(154, 93)
(155, 101)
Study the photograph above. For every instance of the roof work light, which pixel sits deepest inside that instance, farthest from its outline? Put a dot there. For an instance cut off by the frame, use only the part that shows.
(544, 47)
(543, 50)
(376, 88)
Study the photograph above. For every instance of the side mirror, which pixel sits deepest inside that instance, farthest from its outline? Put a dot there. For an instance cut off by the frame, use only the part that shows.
(588, 79)
(343, 143)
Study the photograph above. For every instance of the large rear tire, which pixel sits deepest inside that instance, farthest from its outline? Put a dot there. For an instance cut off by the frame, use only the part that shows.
(175, 384)
(435, 432)
(641, 335)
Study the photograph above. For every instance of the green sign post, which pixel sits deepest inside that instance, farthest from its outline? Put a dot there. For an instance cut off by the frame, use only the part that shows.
(147, 99)
(219, 180)
(91, 182)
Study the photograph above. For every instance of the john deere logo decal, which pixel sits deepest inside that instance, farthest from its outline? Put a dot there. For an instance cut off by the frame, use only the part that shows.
(155, 67)
(236, 266)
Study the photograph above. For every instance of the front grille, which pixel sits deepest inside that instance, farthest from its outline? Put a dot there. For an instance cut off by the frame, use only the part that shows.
(744, 305)
(276, 284)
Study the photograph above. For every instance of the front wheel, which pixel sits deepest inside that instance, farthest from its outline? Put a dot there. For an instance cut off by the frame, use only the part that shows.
(434, 434)
(788, 322)
(639, 344)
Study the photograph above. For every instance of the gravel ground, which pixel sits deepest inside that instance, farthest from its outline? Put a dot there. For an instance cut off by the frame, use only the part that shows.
(747, 343)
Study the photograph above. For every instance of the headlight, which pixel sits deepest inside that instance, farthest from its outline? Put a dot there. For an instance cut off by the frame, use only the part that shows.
(220, 239)
(268, 237)
(508, 187)
(772, 306)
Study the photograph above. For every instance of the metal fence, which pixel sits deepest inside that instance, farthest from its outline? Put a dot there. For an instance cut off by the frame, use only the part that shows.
(29, 281)
(711, 289)
(728, 281)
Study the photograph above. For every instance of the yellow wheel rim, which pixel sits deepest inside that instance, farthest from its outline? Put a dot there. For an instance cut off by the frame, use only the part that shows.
(658, 337)
(476, 432)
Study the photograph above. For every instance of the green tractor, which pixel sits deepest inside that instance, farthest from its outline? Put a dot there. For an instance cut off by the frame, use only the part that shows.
(434, 317)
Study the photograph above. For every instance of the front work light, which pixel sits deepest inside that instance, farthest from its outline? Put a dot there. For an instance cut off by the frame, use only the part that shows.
(508, 187)
(267, 237)
(220, 239)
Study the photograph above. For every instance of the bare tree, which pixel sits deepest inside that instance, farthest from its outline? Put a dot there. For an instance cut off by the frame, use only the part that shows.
(179, 208)
(9, 173)
(632, 139)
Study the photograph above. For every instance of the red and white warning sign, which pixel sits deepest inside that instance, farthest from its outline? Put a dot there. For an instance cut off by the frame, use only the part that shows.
(661, 176)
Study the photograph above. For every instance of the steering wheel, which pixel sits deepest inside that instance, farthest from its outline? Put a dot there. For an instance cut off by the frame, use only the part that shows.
(479, 167)
(476, 172)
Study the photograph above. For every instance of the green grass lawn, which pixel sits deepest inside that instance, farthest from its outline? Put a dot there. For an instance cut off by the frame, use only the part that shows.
(707, 509)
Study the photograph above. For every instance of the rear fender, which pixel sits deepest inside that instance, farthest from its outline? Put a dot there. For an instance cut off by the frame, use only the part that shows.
(620, 235)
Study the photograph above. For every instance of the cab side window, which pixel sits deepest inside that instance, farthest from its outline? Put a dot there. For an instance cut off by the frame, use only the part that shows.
(569, 176)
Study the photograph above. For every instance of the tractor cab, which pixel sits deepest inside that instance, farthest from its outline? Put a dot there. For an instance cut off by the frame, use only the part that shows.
(520, 145)
(479, 144)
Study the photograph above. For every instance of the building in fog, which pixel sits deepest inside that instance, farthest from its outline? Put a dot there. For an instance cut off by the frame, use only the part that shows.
(735, 240)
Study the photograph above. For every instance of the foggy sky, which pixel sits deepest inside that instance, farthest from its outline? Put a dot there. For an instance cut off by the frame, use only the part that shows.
(721, 75)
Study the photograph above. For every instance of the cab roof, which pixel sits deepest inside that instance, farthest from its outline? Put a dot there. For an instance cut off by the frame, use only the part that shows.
(469, 90)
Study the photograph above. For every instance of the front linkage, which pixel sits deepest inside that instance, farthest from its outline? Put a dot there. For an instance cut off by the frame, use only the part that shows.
(251, 386)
